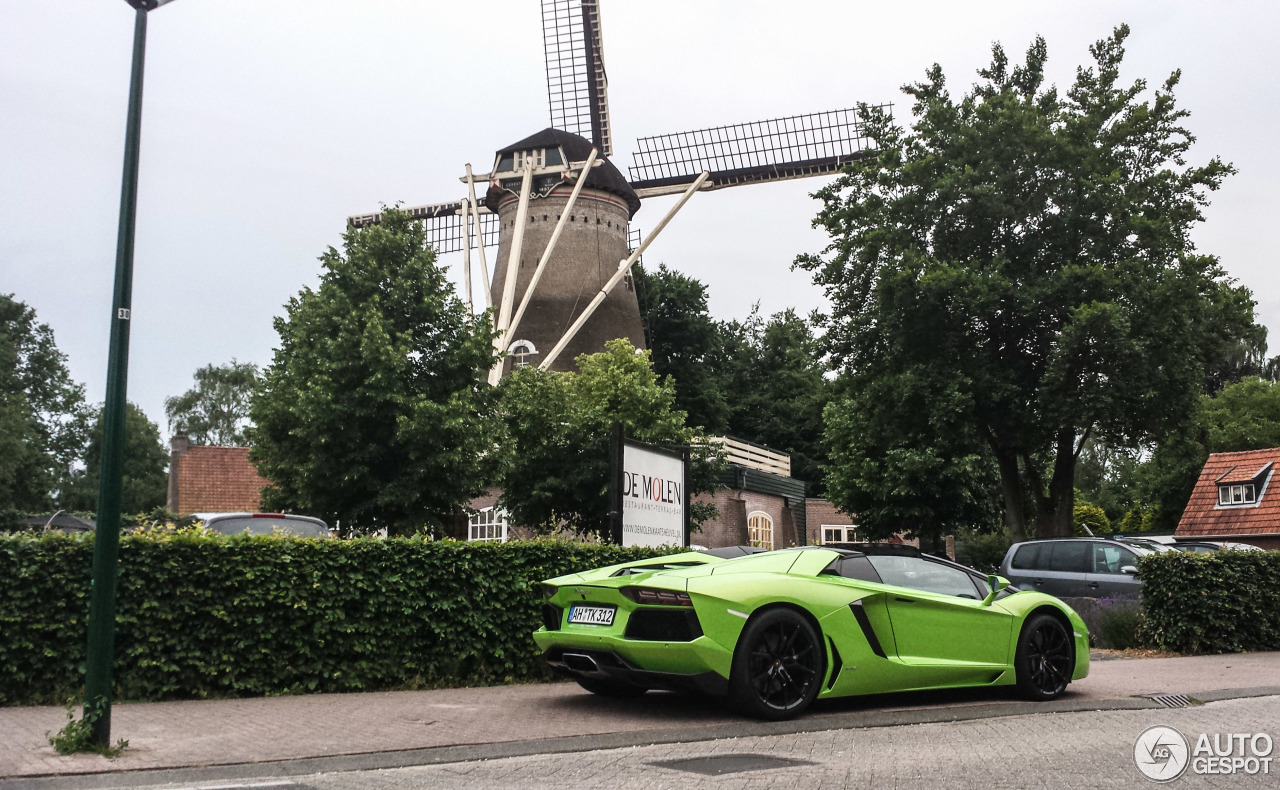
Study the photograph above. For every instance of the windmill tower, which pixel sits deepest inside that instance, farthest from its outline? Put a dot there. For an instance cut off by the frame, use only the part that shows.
(559, 210)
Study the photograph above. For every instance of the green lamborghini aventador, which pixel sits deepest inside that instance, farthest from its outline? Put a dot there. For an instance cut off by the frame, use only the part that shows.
(774, 630)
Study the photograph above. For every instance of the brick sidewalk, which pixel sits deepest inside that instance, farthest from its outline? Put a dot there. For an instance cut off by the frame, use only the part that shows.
(220, 732)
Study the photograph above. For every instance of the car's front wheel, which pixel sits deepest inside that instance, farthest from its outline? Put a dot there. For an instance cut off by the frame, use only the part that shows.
(777, 666)
(1045, 658)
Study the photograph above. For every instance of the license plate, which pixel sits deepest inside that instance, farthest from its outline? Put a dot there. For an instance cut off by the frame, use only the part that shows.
(591, 615)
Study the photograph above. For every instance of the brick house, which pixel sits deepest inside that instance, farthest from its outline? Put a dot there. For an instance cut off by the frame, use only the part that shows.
(1233, 500)
(205, 479)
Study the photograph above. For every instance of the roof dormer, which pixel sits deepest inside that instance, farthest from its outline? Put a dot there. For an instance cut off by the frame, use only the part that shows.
(1239, 487)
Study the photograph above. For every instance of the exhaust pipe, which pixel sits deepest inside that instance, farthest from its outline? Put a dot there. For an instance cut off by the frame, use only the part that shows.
(580, 662)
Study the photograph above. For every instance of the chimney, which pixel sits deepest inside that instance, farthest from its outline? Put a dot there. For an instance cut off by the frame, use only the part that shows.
(178, 447)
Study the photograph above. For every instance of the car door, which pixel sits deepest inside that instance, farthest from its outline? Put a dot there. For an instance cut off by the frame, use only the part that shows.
(1107, 579)
(1056, 567)
(938, 618)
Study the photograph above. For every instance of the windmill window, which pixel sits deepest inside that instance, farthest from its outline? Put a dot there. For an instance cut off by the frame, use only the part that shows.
(553, 157)
(506, 164)
(522, 353)
(760, 530)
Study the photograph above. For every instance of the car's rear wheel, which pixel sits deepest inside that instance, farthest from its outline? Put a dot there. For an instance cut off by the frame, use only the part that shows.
(777, 666)
(1045, 658)
(610, 688)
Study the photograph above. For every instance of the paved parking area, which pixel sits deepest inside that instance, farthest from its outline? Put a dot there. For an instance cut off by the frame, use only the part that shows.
(432, 726)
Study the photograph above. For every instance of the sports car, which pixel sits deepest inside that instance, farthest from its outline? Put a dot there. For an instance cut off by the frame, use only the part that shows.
(774, 630)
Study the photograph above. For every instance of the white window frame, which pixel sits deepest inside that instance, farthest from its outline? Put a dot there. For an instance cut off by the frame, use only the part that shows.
(848, 533)
(521, 359)
(760, 527)
(487, 525)
(1237, 494)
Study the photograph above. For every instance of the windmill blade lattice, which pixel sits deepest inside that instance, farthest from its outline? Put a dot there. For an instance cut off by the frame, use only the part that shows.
(577, 88)
(443, 223)
(797, 146)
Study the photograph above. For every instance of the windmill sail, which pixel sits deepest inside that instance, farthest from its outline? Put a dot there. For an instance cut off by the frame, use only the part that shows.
(577, 88)
(443, 223)
(782, 148)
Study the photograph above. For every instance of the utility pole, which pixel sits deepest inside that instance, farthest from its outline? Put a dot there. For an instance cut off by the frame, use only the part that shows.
(106, 539)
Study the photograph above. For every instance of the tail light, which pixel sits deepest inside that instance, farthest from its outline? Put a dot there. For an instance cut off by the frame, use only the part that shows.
(652, 597)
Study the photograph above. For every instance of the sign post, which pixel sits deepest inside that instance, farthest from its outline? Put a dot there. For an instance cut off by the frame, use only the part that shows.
(649, 494)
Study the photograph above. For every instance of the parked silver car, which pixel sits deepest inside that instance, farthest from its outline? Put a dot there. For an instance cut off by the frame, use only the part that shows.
(1075, 567)
(266, 524)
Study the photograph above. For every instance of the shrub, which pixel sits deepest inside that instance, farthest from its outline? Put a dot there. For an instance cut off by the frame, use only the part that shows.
(1224, 602)
(202, 615)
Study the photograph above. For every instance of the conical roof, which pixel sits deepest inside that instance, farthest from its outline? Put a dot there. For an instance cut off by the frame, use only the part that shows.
(605, 177)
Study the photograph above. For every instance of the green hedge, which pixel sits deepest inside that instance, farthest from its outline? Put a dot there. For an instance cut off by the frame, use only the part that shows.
(1225, 602)
(201, 615)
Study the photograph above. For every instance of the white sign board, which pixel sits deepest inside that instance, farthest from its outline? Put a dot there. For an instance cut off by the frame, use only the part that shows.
(653, 498)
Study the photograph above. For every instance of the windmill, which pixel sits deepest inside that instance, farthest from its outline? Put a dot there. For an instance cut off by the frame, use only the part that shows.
(559, 211)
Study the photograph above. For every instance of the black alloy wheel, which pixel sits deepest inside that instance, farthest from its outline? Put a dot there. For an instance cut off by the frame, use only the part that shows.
(1045, 659)
(777, 667)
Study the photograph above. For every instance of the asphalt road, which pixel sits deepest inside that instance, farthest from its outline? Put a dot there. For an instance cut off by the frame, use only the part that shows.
(1086, 749)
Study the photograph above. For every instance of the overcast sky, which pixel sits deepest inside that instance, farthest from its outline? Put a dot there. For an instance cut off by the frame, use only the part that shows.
(265, 124)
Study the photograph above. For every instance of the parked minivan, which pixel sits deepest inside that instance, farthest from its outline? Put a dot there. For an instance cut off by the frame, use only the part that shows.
(1075, 567)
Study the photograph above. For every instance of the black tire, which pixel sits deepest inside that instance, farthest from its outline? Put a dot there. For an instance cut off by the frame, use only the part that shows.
(777, 666)
(1045, 658)
(610, 688)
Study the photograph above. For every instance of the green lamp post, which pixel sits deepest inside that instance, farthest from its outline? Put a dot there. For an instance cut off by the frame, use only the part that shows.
(102, 597)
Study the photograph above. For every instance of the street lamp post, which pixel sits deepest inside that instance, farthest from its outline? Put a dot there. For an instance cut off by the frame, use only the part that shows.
(102, 597)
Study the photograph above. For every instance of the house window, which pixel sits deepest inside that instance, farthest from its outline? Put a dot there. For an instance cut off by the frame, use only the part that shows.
(760, 530)
(522, 353)
(1237, 494)
(490, 524)
(838, 533)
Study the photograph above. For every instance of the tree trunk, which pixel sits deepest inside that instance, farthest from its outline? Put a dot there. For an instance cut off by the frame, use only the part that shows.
(1015, 517)
(1058, 519)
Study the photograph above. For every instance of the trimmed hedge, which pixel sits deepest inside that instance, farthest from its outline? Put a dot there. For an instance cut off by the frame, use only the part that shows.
(1224, 602)
(202, 615)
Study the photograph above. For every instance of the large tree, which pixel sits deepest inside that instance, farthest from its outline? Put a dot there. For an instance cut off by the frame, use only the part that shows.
(374, 413)
(145, 483)
(556, 453)
(216, 410)
(1028, 256)
(42, 411)
(684, 343)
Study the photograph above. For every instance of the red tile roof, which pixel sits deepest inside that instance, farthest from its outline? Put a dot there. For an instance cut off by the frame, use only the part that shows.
(1205, 518)
(215, 480)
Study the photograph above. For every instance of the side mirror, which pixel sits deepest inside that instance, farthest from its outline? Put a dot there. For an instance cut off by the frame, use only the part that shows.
(996, 583)
(1129, 570)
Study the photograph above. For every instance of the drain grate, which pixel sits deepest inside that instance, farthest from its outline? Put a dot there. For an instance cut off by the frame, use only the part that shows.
(1172, 700)
(729, 764)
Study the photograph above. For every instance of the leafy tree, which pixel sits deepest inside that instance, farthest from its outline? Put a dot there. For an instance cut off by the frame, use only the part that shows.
(684, 343)
(145, 483)
(780, 390)
(216, 410)
(374, 412)
(42, 411)
(558, 426)
(1025, 259)
(1108, 477)
(1243, 416)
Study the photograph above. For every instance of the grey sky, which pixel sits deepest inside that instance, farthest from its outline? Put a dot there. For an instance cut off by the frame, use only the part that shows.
(266, 124)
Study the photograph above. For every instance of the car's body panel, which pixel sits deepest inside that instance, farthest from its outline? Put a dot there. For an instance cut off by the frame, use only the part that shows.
(878, 637)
